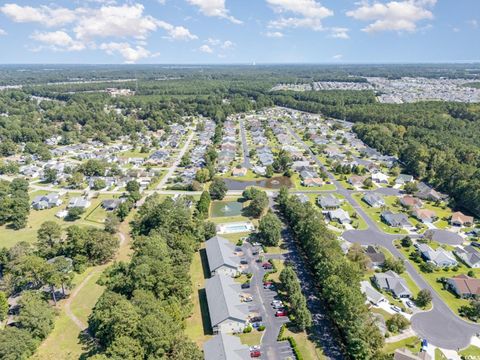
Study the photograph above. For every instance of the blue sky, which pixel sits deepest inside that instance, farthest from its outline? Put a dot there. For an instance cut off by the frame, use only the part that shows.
(239, 31)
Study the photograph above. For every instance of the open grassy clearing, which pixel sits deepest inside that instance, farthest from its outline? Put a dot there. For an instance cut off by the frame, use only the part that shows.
(308, 347)
(64, 342)
(412, 343)
(9, 237)
(472, 350)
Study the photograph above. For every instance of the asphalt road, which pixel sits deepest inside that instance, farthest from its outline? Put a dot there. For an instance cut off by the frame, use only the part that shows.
(270, 348)
(440, 325)
(246, 153)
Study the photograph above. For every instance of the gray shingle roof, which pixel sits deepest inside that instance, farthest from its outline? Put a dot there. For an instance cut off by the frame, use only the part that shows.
(220, 252)
(225, 347)
(223, 296)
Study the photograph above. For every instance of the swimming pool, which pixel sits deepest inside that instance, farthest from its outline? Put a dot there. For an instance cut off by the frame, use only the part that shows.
(232, 228)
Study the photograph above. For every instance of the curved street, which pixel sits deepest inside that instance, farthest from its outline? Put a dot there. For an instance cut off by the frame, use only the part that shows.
(440, 325)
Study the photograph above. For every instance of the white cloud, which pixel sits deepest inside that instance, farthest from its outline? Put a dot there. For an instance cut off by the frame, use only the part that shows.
(227, 44)
(58, 40)
(306, 8)
(274, 34)
(339, 33)
(130, 54)
(206, 49)
(115, 21)
(214, 8)
(176, 32)
(473, 23)
(308, 14)
(45, 15)
(393, 15)
(455, 29)
(2, 32)
(337, 57)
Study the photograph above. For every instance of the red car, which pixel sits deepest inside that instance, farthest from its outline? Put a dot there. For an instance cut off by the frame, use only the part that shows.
(267, 284)
(279, 313)
(255, 353)
(267, 265)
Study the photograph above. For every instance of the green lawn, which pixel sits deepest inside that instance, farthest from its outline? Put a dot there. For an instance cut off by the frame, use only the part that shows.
(198, 327)
(374, 213)
(470, 351)
(63, 342)
(450, 299)
(298, 185)
(307, 347)
(439, 355)
(252, 338)
(412, 343)
(9, 237)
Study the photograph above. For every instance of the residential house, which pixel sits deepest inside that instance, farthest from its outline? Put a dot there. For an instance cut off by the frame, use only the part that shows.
(405, 354)
(460, 219)
(410, 202)
(469, 255)
(425, 192)
(303, 198)
(221, 256)
(356, 180)
(316, 181)
(239, 171)
(340, 216)
(402, 179)
(374, 200)
(227, 313)
(380, 178)
(377, 258)
(425, 215)
(112, 204)
(328, 202)
(372, 295)
(464, 286)
(259, 170)
(396, 220)
(439, 257)
(225, 347)
(42, 202)
(392, 282)
(78, 202)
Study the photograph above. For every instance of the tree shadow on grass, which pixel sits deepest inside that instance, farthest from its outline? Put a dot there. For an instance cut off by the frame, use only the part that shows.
(204, 260)
(90, 345)
(206, 322)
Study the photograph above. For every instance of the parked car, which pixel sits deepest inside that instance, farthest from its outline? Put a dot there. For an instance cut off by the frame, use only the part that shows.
(256, 319)
(255, 353)
(243, 261)
(395, 308)
(424, 344)
(280, 313)
(247, 299)
(267, 266)
(278, 306)
(410, 304)
(476, 244)
(257, 324)
(276, 302)
(267, 284)
(246, 285)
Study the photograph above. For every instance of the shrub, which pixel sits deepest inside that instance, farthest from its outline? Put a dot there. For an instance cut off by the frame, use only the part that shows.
(248, 329)
(261, 328)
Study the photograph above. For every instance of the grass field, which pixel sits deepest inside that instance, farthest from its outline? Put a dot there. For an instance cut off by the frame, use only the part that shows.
(64, 342)
(198, 327)
(450, 299)
(412, 343)
(439, 355)
(471, 351)
(374, 214)
(298, 185)
(307, 347)
(93, 216)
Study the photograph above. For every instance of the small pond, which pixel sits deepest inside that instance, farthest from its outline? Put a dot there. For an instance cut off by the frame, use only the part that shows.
(273, 183)
(225, 208)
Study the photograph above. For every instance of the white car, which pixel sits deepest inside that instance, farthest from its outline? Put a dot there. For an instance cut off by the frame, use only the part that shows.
(410, 304)
(395, 308)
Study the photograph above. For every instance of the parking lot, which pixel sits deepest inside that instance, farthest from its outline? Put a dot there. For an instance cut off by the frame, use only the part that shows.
(262, 299)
